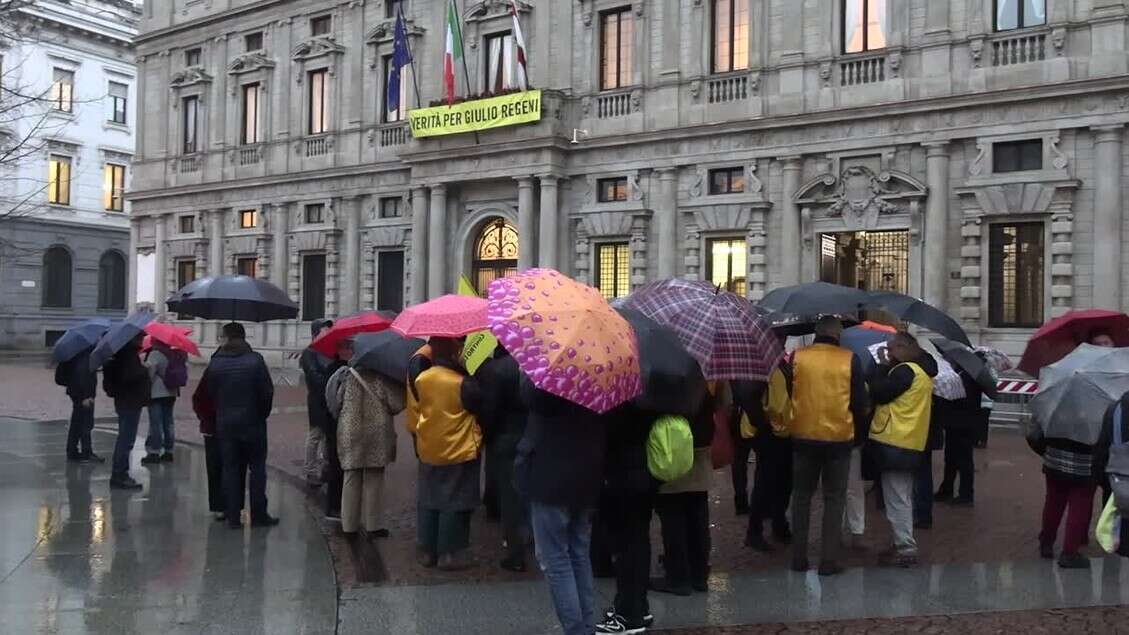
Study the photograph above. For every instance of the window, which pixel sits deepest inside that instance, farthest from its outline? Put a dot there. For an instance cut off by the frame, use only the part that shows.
(191, 110)
(501, 73)
(609, 190)
(114, 187)
(192, 57)
(1015, 284)
(246, 266)
(319, 96)
(250, 130)
(187, 224)
(253, 42)
(57, 278)
(728, 264)
(730, 35)
(1017, 156)
(59, 180)
(62, 90)
(111, 281)
(249, 218)
(315, 213)
(185, 273)
(617, 35)
(313, 287)
(495, 254)
(119, 94)
(390, 207)
(727, 181)
(394, 7)
(864, 25)
(390, 281)
(613, 270)
(320, 25)
(1019, 14)
(396, 114)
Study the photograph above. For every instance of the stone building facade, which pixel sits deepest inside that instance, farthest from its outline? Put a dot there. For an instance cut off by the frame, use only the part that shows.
(970, 152)
(67, 89)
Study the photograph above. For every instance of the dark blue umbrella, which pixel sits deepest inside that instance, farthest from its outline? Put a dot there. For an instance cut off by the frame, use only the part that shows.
(78, 338)
(859, 339)
(233, 298)
(117, 337)
(813, 299)
(386, 352)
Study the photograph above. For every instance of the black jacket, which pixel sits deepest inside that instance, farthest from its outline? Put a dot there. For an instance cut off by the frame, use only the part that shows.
(241, 387)
(560, 459)
(126, 379)
(503, 414)
(82, 383)
(626, 472)
(316, 370)
(959, 415)
(889, 382)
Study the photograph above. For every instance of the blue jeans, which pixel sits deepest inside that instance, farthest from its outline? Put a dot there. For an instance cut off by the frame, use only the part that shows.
(127, 435)
(161, 428)
(563, 537)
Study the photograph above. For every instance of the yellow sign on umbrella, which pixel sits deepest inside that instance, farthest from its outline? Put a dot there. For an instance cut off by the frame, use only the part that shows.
(479, 346)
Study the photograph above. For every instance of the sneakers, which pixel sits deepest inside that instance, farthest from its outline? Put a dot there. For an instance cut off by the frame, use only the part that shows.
(124, 483)
(1073, 561)
(151, 459)
(648, 619)
(616, 624)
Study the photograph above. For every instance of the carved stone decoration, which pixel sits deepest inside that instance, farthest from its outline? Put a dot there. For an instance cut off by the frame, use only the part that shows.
(753, 184)
(189, 76)
(859, 196)
(485, 9)
(636, 100)
(693, 247)
(633, 187)
(638, 248)
(976, 50)
(586, 18)
(639, 6)
(695, 89)
(977, 166)
(1059, 162)
(754, 83)
(249, 62)
(586, 105)
(1058, 41)
(317, 46)
(697, 187)
(825, 74)
(894, 62)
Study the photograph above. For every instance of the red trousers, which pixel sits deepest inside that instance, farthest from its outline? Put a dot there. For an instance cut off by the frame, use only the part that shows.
(1076, 499)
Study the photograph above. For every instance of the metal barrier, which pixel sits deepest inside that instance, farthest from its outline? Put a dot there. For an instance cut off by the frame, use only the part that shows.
(1012, 408)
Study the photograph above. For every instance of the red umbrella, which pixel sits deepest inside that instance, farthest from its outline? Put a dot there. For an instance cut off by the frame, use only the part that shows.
(368, 322)
(1057, 338)
(172, 336)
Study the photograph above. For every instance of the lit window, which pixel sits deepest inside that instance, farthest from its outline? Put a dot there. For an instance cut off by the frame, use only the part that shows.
(727, 181)
(114, 187)
(319, 95)
(864, 25)
(191, 109)
(390, 207)
(253, 42)
(617, 35)
(1017, 156)
(1019, 14)
(62, 90)
(192, 57)
(610, 190)
(730, 35)
(249, 219)
(728, 264)
(613, 270)
(59, 180)
(247, 266)
(320, 25)
(251, 122)
(1015, 284)
(501, 73)
(187, 224)
(315, 213)
(118, 97)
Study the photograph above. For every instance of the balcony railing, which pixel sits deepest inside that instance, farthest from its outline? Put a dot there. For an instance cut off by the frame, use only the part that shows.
(613, 105)
(867, 70)
(251, 155)
(1019, 49)
(317, 146)
(189, 165)
(728, 88)
(394, 135)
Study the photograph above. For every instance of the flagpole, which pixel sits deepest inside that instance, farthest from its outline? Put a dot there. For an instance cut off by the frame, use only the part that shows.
(466, 73)
(411, 56)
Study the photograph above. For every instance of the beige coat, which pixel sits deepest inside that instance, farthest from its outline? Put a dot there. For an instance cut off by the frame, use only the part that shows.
(366, 437)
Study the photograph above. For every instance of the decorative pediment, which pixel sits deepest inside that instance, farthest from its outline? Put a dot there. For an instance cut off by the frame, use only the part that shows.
(606, 224)
(317, 47)
(1018, 198)
(189, 76)
(486, 9)
(249, 62)
(859, 196)
(383, 32)
(384, 237)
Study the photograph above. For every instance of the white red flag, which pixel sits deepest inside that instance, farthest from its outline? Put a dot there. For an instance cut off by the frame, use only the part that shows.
(519, 50)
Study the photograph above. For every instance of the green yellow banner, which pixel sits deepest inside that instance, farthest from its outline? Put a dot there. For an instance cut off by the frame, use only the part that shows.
(480, 114)
(479, 346)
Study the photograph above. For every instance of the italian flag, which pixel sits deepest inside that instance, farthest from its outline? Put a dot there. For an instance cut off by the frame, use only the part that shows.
(454, 50)
(519, 52)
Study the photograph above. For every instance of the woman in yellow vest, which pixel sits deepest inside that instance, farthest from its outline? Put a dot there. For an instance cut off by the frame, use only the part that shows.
(448, 441)
(902, 391)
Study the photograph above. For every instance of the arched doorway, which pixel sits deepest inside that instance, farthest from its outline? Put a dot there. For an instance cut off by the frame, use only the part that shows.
(495, 253)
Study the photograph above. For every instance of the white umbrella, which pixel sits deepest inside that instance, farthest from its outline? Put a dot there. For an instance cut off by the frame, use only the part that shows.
(1075, 392)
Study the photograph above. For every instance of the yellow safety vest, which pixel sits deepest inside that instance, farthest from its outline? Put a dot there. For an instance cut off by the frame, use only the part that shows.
(411, 404)
(904, 422)
(778, 404)
(446, 433)
(821, 394)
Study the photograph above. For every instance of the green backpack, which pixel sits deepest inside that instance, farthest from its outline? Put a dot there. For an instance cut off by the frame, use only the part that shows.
(670, 448)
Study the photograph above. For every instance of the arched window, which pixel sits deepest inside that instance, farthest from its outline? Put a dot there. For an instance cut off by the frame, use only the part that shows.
(495, 253)
(111, 281)
(57, 278)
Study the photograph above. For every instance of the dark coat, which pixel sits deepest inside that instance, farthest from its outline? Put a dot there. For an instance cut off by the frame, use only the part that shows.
(126, 379)
(560, 459)
(241, 387)
(315, 368)
(889, 382)
(626, 472)
(960, 416)
(503, 414)
(82, 383)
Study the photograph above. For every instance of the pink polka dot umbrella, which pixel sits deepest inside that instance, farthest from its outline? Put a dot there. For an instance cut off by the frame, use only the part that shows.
(566, 338)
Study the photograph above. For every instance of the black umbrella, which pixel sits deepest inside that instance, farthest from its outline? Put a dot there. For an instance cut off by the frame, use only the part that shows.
(786, 325)
(914, 311)
(967, 360)
(78, 338)
(117, 337)
(386, 352)
(672, 378)
(814, 298)
(234, 298)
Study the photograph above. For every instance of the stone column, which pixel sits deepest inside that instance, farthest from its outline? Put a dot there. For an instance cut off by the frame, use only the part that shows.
(526, 224)
(666, 221)
(437, 243)
(215, 237)
(1107, 216)
(419, 245)
(791, 248)
(937, 224)
(131, 264)
(547, 245)
(280, 226)
(351, 287)
(160, 290)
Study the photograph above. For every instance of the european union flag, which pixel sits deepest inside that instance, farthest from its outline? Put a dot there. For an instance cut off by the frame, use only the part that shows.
(401, 57)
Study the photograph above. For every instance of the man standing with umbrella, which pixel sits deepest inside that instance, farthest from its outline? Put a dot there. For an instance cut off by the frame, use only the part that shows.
(126, 380)
(82, 386)
(316, 371)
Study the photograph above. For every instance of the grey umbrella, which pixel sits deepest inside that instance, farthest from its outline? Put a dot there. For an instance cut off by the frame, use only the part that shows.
(814, 298)
(386, 352)
(117, 337)
(968, 361)
(917, 312)
(78, 338)
(234, 298)
(1075, 392)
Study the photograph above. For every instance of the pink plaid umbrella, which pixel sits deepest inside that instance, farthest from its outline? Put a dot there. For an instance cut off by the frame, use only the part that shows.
(445, 316)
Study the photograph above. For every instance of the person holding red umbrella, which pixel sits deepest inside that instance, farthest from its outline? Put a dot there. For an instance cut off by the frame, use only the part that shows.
(1058, 337)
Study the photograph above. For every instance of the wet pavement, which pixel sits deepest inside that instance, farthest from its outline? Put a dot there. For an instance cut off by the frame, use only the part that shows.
(77, 557)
